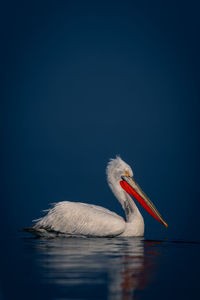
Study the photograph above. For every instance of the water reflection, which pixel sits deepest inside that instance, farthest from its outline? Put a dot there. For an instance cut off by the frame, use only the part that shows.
(123, 265)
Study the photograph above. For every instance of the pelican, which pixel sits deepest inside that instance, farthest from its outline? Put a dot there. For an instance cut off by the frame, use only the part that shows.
(81, 219)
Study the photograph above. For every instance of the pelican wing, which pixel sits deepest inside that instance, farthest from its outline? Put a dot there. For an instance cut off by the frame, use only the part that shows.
(75, 218)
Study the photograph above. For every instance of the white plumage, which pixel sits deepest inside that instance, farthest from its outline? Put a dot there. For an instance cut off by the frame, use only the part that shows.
(74, 218)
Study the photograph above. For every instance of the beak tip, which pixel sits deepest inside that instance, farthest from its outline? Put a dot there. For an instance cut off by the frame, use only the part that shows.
(165, 224)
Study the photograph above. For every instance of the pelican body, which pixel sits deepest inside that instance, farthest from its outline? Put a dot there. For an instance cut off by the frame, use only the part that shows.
(81, 219)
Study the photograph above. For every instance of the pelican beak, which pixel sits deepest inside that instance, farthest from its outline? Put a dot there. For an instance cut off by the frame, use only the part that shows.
(132, 188)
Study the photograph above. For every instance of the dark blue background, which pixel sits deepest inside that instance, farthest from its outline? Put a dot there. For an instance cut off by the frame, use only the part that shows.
(83, 81)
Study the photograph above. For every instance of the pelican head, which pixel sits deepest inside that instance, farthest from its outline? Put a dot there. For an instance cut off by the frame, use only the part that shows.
(121, 181)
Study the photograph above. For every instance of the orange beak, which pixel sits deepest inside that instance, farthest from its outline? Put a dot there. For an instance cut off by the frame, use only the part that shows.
(133, 189)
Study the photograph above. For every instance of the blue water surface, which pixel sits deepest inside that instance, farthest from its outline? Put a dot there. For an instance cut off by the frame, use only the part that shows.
(99, 268)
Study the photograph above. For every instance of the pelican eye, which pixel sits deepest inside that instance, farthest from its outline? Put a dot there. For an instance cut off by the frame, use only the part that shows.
(126, 173)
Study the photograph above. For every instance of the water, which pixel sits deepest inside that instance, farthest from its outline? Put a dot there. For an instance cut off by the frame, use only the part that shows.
(99, 268)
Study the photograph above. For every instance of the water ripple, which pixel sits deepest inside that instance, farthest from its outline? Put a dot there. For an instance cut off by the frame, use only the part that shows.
(124, 265)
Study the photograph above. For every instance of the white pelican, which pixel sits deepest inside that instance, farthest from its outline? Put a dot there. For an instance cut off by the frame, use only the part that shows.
(74, 218)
